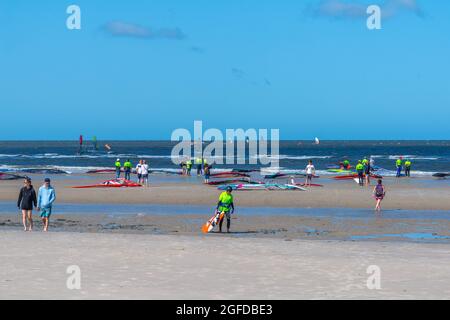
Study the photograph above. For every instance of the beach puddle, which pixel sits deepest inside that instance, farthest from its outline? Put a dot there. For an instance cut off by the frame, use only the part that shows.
(406, 236)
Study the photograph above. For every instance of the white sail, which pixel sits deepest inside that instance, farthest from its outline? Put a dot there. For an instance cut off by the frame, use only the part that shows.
(316, 140)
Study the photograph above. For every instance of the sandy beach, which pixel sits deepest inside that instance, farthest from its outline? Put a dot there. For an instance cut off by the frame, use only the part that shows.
(401, 194)
(123, 266)
(322, 252)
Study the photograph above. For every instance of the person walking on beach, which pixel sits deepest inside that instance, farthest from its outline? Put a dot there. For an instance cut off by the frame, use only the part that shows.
(139, 171)
(226, 206)
(207, 172)
(408, 168)
(118, 166)
(398, 164)
(27, 198)
(310, 171)
(46, 198)
(360, 169)
(198, 163)
(379, 192)
(188, 166)
(127, 168)
(145, 171)
(367, 169)
(183, 167)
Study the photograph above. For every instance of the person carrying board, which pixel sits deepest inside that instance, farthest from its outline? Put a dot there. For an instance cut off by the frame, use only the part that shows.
(226, 206)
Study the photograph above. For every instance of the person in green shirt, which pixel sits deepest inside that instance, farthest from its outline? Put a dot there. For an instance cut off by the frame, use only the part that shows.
(360, 169)
(127, 168)
(346, 164)
(188, 167)
(226, 206)
(118, 166)
(408, 168)
(398, 164)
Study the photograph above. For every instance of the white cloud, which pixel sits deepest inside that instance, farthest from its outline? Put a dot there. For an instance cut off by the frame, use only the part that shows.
(125, 29)
(354, 9)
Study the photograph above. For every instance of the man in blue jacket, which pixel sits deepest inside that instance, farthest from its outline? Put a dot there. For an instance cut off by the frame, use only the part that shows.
(46, 198)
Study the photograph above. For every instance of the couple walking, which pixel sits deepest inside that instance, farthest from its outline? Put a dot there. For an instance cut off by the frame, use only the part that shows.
(43, 203)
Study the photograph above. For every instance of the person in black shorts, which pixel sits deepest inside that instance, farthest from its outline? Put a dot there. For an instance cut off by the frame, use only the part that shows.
(27, 199)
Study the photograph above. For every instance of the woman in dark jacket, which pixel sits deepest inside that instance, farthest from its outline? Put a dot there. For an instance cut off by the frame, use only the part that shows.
(27, 198)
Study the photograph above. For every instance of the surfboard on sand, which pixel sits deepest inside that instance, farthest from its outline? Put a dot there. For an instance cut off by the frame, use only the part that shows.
(214, 221)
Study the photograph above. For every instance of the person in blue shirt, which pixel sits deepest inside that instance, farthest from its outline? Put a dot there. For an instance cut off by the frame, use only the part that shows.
(46, 198)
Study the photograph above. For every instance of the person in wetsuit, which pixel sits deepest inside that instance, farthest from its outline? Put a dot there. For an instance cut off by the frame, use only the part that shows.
(408, 168)
(226, 205)
(360, 171)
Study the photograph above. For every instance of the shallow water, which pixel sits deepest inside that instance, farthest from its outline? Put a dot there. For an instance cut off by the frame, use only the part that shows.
(158, 209)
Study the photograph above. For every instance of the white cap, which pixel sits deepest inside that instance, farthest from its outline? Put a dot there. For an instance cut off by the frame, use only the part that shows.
(118, 159)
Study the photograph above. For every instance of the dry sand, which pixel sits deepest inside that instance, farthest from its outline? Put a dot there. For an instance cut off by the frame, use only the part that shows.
(121, 266)
(401, 194)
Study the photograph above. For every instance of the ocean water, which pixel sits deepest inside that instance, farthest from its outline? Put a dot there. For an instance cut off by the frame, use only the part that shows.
(427, 157)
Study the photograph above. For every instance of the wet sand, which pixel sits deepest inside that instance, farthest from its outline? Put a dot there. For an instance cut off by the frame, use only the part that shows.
(413, 194)
(128, 266)
(244, 226)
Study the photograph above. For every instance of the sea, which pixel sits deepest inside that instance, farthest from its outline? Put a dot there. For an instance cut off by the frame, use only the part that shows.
(427, 157)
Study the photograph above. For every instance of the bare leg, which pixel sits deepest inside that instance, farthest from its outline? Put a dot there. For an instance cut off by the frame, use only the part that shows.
(45, 223)
(24, 219)
(30, 219)
(378, 208)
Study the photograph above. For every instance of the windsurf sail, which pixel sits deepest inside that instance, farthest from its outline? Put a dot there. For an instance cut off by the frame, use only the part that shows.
(95, 143)
(316, 140)
(230, 181)
(7, 176)
(229, 174)
(213, 221)
(355, 175)
(80, 147)
(441, 174)
(266, 186)
(44, 171)
(115, 183)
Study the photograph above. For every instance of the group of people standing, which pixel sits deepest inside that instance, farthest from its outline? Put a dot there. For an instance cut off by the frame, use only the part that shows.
(43, 203)
(364, 170)
(399, 165)
(142, 170)
(201, 165)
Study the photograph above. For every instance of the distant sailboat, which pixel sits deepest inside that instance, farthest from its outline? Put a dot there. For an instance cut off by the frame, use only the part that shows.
(316, 140)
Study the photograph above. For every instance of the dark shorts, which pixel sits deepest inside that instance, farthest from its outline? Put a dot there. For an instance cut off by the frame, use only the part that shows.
(309, 176)
(139, 176)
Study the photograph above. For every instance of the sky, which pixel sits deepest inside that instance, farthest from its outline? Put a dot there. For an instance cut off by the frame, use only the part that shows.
(141, 69)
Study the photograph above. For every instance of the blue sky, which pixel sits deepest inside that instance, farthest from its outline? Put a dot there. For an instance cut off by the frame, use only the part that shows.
(140, 69)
